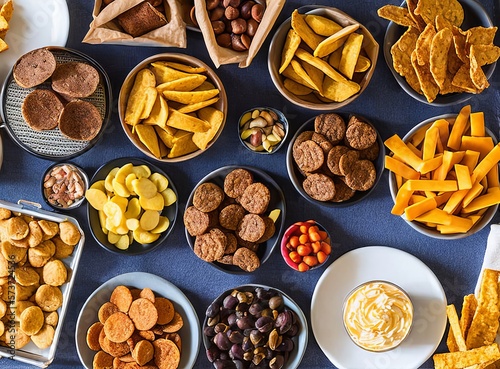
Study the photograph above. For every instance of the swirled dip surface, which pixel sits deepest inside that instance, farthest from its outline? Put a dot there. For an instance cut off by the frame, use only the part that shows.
(378, 316)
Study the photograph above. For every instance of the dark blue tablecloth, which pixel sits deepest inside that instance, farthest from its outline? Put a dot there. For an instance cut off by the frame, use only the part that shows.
(456, 263)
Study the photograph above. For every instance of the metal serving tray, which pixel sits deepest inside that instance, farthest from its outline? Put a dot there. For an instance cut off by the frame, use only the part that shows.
(30, 353)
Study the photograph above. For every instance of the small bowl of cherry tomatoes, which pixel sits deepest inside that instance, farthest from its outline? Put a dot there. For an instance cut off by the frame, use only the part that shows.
(306, 246)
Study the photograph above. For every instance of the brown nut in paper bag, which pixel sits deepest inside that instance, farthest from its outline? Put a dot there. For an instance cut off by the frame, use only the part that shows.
(221, 55)
(104, 28)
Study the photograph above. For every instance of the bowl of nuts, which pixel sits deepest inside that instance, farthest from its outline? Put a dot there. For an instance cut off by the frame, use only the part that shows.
(272, 332)
(335, 159)
(64, 186)
(263, 130)
(333, 69)
(234, 30)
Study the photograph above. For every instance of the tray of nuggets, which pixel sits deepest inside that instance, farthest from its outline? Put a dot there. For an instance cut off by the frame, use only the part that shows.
(233, 218)
(39, 256)
(334, 159)
(137, 320)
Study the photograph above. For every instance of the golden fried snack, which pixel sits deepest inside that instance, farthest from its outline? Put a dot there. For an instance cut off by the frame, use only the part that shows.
(35, 235)
(122, 298)
(175, 324)
(106, 310)
(49, 229)
(21, 306)
(49, 298)
(143, 313)
(17, 228)
(25, 292)
(118, 327)
(51, 318)
(148, 294)
(167, 354)
(175, 338)
(45, 336)
(165, 310)
(55, 273)
(102, 360)
(143, 352)
(11, 252)
(5, 213)
(69, 233)
(22, 339)
(63, 250)
(26, 276)
(115, 349)
(31, 320)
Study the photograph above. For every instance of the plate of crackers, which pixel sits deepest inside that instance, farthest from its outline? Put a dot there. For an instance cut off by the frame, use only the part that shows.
(138, 318)
(234, 217)
(335, 159)
(440, 53)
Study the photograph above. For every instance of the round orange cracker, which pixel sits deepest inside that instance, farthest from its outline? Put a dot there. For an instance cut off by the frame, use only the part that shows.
(106, 310)
(143, 352)
(165, 310)
(167, 355)
(102, 360)
(118, 327)
(143, 313)
(175, 324)
(122, 298)
(148, 294)
(93, 336)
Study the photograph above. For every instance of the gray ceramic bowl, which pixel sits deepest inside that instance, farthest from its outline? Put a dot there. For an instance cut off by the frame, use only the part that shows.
(422, 228)
(475, 15)
(370, 47)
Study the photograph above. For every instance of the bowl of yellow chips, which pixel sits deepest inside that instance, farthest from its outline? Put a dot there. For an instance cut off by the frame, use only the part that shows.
(440, 53)
(333, 69)
(172, 107)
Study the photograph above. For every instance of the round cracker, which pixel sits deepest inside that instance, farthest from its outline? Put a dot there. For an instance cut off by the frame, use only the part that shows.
(44, 338)
(167, 354)
(122, 298)
(118, 327)
(31, 320)
(143, 313)
(93, 336)
(165, 310)
(49, 298)
(106, 310)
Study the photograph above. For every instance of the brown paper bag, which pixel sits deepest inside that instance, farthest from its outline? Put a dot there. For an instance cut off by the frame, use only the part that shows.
(221, 55)
(104, 30)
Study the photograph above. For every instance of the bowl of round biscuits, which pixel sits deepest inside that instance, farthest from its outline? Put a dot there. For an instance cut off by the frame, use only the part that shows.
(335, 160)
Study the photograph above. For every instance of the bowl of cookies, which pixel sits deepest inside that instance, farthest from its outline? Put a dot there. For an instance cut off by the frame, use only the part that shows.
(335, 159)
(132, 206)
(284, 329)
(172, 107)
(138, 318)
(465, 180)
(235, 236)
(463, 33)
(323, 75)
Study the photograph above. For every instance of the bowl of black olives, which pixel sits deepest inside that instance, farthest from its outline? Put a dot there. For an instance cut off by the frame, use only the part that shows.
(254, 326)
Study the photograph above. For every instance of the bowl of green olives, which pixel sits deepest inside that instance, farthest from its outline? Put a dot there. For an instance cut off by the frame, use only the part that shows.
(254, 325)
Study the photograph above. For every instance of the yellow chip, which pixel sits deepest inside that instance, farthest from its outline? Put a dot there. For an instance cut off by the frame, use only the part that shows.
(480, 35)
(296, 88)
(186, 122)
(439, 52)
(190, 97)
(350, 54)
(187, 83)
(147, 136)
(332, 43)
(304, 31)
(322, 25)
(185, 68)
(485, 54)
(159, 112)
(397, 15)
(292, 42)
(451, 312)
(215, 118)
(7, 10)
(339, 91)
(401, 58)
(464, 359)
(137, 98)
(450, 9)
(477, 75)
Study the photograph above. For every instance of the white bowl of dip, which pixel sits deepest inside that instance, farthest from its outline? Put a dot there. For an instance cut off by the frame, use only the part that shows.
(377, 315)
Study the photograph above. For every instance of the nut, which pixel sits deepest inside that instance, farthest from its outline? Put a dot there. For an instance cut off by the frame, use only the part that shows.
(236, 43)
(258, 12)
(216, 14)
(252, 26)
(231, 13)
(271, 130)
(246, 40)
(224, 40)
(234, 3)
(63, 185)
(218, 27)
(246, 9)
(212, 4)
(239, 26)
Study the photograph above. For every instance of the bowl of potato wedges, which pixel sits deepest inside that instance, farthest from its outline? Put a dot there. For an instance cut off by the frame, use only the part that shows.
(172, 107)
(321, 58)
(440, 53)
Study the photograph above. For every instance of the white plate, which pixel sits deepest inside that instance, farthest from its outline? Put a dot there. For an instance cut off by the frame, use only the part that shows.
(34, 24)
(393, 265)
(190, 333)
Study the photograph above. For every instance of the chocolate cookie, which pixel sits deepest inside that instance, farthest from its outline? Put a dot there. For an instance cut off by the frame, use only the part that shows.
(330, 125)
(210, 246)
(251, 228)
(333, 158)
(231, 244)
(236, 182)
(196, 221)
(360, 135)
(309, 156)
(255, 198)
(270, 230)
(319, 186)
(342, 191)
(348, 161)
(246, 259)
(362, 176)
(207, 197)
(230, 216)
(303, 136)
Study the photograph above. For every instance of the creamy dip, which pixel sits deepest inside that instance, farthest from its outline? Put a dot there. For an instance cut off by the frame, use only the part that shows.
(378, 315)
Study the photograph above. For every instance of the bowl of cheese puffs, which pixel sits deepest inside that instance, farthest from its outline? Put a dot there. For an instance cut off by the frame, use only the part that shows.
(321, 58)
(172, 107)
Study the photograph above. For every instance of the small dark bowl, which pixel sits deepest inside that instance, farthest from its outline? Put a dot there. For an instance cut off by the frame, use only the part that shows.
(277, 202)
(300, 340)
(281, 119)
(285, 252)
(297, 178)
(93, 216)
(83, 176)
(475, 15)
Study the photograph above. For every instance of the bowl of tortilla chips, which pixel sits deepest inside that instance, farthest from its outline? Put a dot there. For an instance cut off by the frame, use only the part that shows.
(321, 58)
(172, 107)
(440, 53)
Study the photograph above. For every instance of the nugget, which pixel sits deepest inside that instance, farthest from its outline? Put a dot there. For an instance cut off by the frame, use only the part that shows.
(319, 186)
(309, 156)
(49, 229)
(5, 213)
(63, 250)
(251, 228)
(49, 298)
(11, 252)
(35, 235)
(55, 273)
(118, 327)
(44, 338)
(17, 228)
(75, 80)
(41, 110)
(236, 181)
(26, 276)
(256, 198)
(330, 125)
(360, 135)
(210, 246)
(246, 259)
(230, 216)
(34, 68)
(69, 233)
(143, 313)
(207, 197)
(362, 177)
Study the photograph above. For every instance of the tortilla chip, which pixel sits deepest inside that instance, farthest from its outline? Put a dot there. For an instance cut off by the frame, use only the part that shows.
(320, 64)
(450, 9)
(166, 135)
(485, 54)
(296, 88)
(182, 144)
(322, 25)
(164, 73)
(197, 106)
(314, 73)
(332, 43)
(463, 80)
(423, 46)
(185, 68)
(290, 73)
(484, 326)
(401, 58)
(429, 88)
(439, 55)
(480, 35)
(397, 15)
(159, 113)
(300, 71)
(420, 23)
(477, 75)
(187, 83)
(463, 359)
(186, 122)
(459, 40)
(350, 54)
(339, 91)
(7, 10)
(190, 97)
(442, 22)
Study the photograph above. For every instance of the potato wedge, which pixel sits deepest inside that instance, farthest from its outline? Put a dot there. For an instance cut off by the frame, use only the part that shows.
(322, 25)
(350, 54)
(335, 41)
(190, 97)
(292, 43)
(159, 112)
(137, 98)
(186, 122)
(215, 118)
(183, 84)
(147, 135)
(304, 31)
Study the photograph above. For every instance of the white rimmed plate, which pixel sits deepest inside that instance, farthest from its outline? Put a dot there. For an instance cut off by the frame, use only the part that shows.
(383, 263)
(190, 333)
(34, 24)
